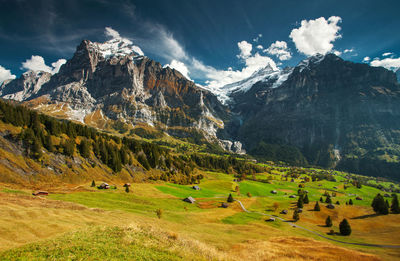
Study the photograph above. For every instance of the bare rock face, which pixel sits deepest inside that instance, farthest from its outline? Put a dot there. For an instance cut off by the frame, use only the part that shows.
(115, 78)
(328, 112)
(24, 87)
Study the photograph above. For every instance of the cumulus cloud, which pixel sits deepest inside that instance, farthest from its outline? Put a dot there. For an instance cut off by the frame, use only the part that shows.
(111, 33)
(280, 50)
(260, 47)
(316, 36)
(37, 63)
(366, 59)
(5, 74)
(245, 49)
(388, 63)
(179, 66)
(387, 54)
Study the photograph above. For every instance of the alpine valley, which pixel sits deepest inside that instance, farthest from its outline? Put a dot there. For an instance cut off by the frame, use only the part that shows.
(324, 112)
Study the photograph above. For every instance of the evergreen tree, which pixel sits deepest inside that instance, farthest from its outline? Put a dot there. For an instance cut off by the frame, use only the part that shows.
(48, 143)
(296, 215)
(84, 148)
(345, 228)
(306, 200)
(230, 198)
(379, 205)
(300, 202)
(350, 202)
(93, 184)
(328, 199)
(328, 221)
(69, 147)
(337, 202)
(36, 150)
(321, 199)
(394, 208)
(127, 189)
(316, 207)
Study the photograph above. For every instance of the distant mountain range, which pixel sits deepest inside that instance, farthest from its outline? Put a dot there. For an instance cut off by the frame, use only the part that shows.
(325, 111)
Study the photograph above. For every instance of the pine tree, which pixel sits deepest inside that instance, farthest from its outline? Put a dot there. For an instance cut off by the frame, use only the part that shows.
(296, 216)
(350, 202)
(316, 207)
(345, 228)
(328, 200)
(36, 150)
(48, 144)
(300, 202)
(93, 184)
(379, 205)
(230, 198)
(321, 199)
(328, 221)
(394, 208)
(337, 202)
(84, 148)
(306, 200)
(127, 189)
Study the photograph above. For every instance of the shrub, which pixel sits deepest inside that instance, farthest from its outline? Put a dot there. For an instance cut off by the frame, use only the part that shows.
(127, 189)
(249, 194)
(93, 184)
(159, 213)
(296, 216)
(275, 206)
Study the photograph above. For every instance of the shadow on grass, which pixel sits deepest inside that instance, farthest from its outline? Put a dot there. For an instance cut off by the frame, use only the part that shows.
(365, 216)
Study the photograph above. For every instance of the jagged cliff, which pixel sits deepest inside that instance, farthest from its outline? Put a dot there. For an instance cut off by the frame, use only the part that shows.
(328, 112)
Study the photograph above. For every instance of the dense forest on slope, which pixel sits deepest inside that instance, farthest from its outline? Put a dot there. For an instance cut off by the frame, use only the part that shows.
(41, 133)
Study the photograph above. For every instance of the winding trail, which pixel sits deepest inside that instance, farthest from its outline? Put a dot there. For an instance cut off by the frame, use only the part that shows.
(316, 233)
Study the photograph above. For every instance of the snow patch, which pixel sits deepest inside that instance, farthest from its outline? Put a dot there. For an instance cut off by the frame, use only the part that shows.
(118, 47)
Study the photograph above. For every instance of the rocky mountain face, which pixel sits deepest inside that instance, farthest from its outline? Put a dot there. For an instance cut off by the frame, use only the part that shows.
(114, 81)
(329, 112)
(24, 87)
(398, 74)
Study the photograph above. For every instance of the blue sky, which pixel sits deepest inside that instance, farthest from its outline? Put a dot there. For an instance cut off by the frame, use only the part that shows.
(217, 41)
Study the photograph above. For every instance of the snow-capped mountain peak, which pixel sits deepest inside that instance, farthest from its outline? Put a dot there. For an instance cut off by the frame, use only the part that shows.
(117, 47)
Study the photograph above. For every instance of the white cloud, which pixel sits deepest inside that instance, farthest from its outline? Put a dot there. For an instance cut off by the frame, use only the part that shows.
(366, 59)
(5, 74)
(387, 54)
(245, 49)
(336, 52)
(260, 47)
(348, 50)
(388, 63)
(36, 63)
(316, 36)
(220, 78)
(179, 66)
(111, 33)
(257, 38)
(280, 50)
(57, 65)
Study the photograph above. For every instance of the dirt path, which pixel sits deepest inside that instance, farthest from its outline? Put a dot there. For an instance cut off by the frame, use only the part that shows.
(316, 233)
